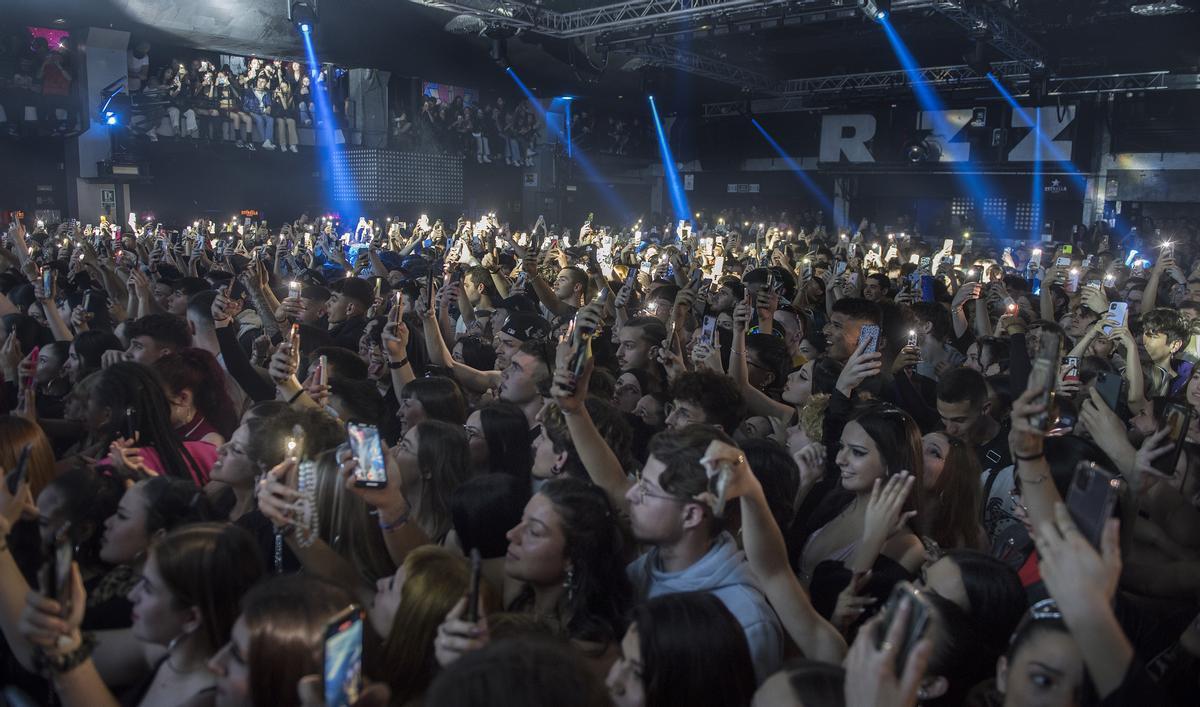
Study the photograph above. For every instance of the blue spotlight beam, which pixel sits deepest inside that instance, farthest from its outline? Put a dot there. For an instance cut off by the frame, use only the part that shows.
(1043, 142)
(807, 181)
(1039, 195)
(333, 157)
(930, 102)
(593, 175)
(679, 203)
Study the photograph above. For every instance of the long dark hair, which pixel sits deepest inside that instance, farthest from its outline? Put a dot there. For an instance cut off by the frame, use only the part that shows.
(996, 598)
(506, 431)
(286, 618)
(439, 396)
(90, 345)
(599, 593)
(898, 439)
(198, 371)
(127, 385)
(445, 461)
(694, 652)
(953, 504)
(88, 499)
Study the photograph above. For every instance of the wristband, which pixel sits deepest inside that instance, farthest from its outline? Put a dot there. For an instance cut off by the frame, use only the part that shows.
(395, 365)
(399, 522)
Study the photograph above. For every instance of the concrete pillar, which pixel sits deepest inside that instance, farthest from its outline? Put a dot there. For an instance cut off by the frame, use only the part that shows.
(104, 61)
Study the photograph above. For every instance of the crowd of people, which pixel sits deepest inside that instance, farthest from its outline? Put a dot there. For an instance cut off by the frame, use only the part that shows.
(36, 84)
(262, 102)
(723, 464)
(508, 131)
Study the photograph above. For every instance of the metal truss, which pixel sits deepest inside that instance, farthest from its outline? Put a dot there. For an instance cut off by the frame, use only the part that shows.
(674, 57)
(891, 80)
(633, 14)
(500, 12)
(994, 26)
(807, 94)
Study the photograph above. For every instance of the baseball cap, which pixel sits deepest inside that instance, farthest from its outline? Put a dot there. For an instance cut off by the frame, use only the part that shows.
(525, 326)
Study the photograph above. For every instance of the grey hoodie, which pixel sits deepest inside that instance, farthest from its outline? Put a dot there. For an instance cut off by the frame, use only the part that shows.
(724, 572)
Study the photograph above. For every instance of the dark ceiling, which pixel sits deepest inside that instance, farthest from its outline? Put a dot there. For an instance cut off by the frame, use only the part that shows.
(1090, 36)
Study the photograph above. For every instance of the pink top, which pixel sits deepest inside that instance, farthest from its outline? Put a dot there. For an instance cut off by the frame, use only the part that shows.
(204, 453)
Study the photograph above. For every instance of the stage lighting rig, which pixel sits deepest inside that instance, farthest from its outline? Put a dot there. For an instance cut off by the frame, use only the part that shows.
(877, 10)
(926, 149)
(303, 14)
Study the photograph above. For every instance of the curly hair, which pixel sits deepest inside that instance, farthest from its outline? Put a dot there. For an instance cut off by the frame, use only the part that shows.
(716, 394)
(600, 595)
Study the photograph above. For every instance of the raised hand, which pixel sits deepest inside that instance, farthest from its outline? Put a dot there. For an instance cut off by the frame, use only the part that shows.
(456, 636)
(859, 367)
(885, 515)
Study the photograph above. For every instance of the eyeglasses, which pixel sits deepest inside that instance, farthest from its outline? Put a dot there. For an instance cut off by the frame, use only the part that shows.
(644, 490)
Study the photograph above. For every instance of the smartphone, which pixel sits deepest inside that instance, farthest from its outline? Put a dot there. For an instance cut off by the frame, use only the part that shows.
(323, 370)
(1109, 387)
(948, 245)
(1090, 499)
(56, 573)
(1070, 369)
(129, 426)
(48, 277)
(923, 265)
(869, 333)
(20, 471)
(343, 658)
(472, 613)
(397, 308)
(1129, 258)
(1067, 249)
(838, 268)
(708, 333)
(914, 627)
(294, 339)
(926, 292)
(364, 442)
(294, 289)
(1117, 311)
(1042, 375)
(1175, 418)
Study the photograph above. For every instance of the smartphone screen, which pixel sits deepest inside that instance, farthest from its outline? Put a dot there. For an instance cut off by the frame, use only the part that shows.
(364, 442)
(1091, 498)
(927, 294)
(709, 331)
(343, 658)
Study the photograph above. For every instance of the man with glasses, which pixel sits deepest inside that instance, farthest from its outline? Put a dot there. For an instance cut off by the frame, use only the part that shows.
(690, 551)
